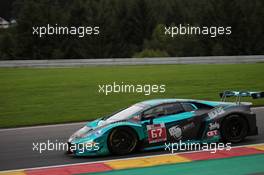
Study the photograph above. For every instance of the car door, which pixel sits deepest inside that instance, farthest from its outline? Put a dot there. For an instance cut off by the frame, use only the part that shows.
(166, 122)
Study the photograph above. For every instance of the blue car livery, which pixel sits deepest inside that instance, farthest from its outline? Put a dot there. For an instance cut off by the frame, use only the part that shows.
(150, 124)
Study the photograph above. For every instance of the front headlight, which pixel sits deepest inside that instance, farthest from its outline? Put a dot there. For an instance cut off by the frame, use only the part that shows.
(80, 133)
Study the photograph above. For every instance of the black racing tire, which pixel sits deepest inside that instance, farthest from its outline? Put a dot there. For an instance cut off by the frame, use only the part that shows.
(234, 128)
(122, 141)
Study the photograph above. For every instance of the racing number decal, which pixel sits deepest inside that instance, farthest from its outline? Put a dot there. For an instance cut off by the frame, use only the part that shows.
(156, 133)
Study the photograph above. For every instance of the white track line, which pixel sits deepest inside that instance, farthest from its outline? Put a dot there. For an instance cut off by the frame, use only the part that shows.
(65, 124)
(128, 158)
(262, 107)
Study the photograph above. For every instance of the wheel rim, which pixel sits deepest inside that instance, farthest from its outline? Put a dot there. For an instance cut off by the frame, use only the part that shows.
(235, 129)
(122, 142)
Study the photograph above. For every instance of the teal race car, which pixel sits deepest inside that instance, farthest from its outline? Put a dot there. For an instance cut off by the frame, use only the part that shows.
(153, 123)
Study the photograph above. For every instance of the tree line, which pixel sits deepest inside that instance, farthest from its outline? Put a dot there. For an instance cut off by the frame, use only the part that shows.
(133, 28)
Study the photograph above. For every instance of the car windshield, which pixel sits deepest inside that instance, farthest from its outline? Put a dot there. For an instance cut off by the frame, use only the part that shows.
(125, 113)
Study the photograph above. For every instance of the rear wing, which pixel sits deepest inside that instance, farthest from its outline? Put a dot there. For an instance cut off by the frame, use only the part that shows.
(238, 94)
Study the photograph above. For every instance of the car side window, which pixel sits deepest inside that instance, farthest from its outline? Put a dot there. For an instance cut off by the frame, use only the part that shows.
(174, 108)
(188, 107)
(153, 112)
(166, 109)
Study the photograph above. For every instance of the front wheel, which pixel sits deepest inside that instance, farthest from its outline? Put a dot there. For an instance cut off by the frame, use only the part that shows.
(122, 141)
(234, 129)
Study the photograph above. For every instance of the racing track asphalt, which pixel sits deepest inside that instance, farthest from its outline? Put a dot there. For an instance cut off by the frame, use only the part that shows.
(16, 146)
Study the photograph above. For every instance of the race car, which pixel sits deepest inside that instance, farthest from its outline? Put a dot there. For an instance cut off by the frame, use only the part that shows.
(150, 124)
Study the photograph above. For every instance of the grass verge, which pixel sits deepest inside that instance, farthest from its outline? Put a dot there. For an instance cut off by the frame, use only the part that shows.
(30, 96)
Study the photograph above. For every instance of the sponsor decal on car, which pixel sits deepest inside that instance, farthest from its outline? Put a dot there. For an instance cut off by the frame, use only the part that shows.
(216, 112)
(213, 126)
(212, 133)
(176, 132)
(156, 133)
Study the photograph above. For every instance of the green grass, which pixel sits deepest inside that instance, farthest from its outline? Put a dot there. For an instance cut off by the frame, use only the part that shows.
(31, 96)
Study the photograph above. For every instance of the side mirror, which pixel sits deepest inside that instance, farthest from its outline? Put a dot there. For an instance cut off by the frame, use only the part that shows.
(149, 117)
(151, 120)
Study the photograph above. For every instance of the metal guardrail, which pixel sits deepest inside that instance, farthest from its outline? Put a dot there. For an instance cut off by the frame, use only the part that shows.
(133, 61)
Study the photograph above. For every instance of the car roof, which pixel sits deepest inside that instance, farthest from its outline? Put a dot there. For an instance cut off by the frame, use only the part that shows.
(156, 102)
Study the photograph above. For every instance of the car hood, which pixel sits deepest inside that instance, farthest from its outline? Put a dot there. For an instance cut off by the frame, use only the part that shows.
(101, 123)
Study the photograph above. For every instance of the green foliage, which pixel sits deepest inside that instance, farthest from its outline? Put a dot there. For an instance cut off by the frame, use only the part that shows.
(132, 26)
(177, 46)
(151, 53)
(32, 13)
(6, 44)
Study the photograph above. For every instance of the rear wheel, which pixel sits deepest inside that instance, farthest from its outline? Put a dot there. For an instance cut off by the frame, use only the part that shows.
(234, 128)
(122, 140)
